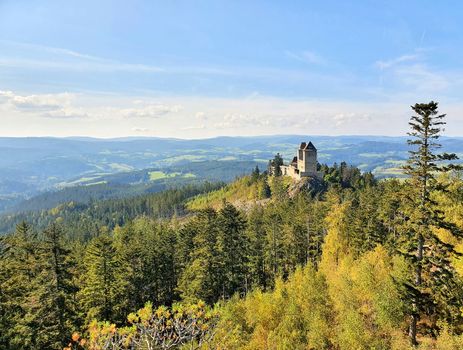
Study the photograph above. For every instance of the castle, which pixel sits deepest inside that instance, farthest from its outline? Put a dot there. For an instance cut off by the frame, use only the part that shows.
(303, 165)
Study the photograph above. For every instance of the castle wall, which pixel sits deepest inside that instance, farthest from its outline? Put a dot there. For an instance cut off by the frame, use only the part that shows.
(306, 164)
(310, 161)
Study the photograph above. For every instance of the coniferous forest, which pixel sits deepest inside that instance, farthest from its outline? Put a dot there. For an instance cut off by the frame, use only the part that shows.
(347, 262)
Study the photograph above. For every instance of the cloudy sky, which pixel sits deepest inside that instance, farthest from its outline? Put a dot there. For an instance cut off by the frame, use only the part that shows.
(195, 69)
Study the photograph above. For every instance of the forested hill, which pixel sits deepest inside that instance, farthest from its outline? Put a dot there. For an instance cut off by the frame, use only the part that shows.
(133, 183)
(86, 220)
(29, 166)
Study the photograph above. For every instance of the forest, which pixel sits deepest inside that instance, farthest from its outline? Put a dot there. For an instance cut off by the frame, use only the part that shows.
(347, 262)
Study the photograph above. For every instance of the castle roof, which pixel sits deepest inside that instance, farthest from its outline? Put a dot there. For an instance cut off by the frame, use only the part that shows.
(294, 160)
(309, 146)
(303, 144)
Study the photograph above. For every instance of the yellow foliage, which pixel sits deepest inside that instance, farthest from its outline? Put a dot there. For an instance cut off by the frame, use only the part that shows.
(336, 242)
(241, 190)
(294, 316)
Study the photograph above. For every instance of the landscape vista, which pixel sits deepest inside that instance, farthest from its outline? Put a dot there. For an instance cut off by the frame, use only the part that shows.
(231, 175)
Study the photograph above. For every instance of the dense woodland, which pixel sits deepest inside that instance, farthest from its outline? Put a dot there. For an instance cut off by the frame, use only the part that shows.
(85, 220)
(348, 262)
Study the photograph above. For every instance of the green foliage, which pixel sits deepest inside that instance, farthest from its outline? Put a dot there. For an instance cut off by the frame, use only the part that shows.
(84, 221)
(431, 286)
(37, 290)
(287, 266)
(103, 281)
(275, 164)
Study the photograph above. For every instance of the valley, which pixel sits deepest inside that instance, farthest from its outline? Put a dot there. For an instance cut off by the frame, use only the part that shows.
(115, 168)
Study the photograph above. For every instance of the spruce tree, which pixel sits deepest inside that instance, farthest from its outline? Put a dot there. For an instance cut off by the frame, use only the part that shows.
(231, 249)
(54, 314)
(275, 165)
(256, 235)
(429, 256)
(18, 284)
(201, 278)
(103, 283)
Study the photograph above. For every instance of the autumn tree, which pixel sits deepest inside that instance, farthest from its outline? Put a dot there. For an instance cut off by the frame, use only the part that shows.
(429, 255)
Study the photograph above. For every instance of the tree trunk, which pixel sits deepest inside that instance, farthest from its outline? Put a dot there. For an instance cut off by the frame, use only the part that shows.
(415, 313)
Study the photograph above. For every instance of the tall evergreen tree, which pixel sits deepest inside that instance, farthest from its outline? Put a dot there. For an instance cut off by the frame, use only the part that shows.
(18, 283)
(256, 235)
(429, 255)
(147, 248)
(54, 315)
(103, 283)
(201, 279)
(275, 165)
(232, 250)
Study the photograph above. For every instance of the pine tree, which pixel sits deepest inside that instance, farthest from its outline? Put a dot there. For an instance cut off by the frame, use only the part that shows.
(275, 165)
(201, 278)
(427, 253)
(255, 174)
(18, 283)
(231, 250)
(54, 315)
(274, 249)
(146, 248)
(103, 283)
(255, 232)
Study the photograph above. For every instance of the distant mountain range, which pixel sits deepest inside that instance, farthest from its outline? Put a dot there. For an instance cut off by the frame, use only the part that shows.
(35, 165)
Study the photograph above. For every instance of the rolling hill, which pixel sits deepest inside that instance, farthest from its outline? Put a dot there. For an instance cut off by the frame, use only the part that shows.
(119, 167)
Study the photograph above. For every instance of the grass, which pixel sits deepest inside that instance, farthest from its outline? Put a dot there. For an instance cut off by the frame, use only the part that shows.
(158, 175)
(240, 190)
(188, 175)
(96, 183)
(120, 167)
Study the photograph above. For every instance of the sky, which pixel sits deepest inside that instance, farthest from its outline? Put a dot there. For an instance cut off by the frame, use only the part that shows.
(194, 69)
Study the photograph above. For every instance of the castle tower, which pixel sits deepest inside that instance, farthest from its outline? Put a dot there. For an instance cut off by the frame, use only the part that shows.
(307, 159)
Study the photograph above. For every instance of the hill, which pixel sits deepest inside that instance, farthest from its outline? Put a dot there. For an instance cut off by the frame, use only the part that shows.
(29, 166)
(129, 184)
(85, 220)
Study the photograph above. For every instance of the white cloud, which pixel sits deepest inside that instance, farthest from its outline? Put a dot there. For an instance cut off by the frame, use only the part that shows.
(197, 117)
(85, 66)
(64, 59)
(150, 111)
(200, 116)
(423, 78)
(414, 76)
(341, 119)
(309, 57)
(195, 127)
(66, 105)
(50, 49)
(395, 61)
(49, 103)
(140, 130)
(68, 113)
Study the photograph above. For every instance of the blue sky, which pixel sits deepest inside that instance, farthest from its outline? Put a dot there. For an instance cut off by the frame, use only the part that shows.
(207, 68)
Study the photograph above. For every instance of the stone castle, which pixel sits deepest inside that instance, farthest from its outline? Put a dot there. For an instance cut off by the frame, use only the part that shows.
(304, 164)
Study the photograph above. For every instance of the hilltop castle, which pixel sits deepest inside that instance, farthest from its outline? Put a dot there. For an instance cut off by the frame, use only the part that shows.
(304, 164)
